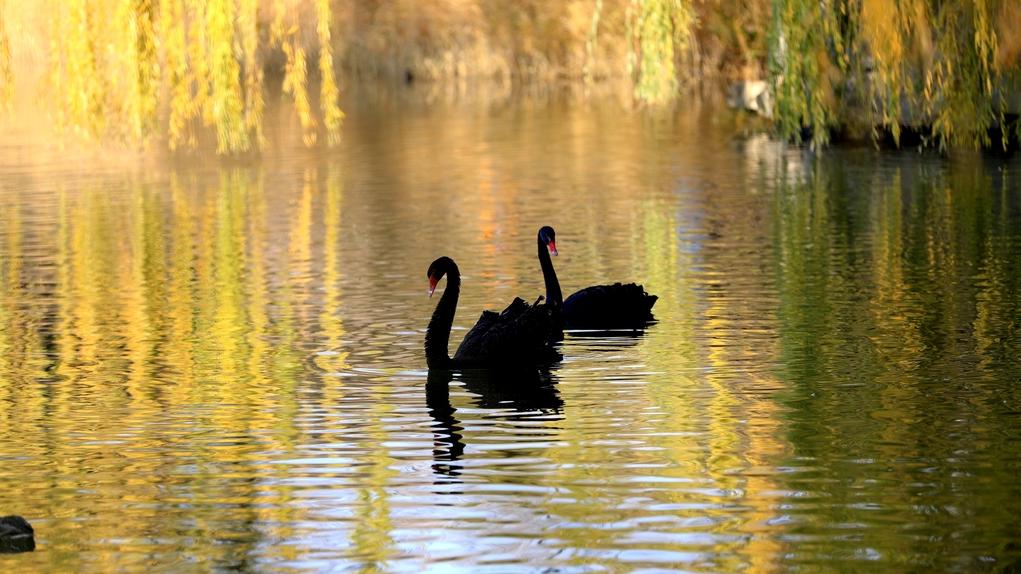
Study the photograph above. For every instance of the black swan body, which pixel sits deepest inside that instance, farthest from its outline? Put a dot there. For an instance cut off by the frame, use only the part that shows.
(617, 306)
(16, 535)
(520, 335)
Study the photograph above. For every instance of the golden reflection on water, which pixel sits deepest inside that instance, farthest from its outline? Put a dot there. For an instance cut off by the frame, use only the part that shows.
(221, 367)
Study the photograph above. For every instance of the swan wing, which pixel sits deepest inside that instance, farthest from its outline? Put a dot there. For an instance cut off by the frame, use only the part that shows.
(621, 305)
(522, 333)
(486, 321)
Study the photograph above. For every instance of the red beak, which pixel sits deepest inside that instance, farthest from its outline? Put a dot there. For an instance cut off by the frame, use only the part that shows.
(552, 247)
(432, 285)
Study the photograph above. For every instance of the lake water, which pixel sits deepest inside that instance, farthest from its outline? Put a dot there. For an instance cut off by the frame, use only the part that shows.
(217, 365)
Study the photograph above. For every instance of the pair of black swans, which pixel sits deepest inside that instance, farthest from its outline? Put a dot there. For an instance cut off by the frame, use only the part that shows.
(524, 334)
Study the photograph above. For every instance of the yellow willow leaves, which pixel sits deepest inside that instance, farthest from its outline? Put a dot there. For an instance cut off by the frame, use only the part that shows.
(882, 29)
(588, 71)
(226, 101)
(937, 59)
(295, 83)
(249, 23)
(147, 76)
(276, 27)
(801, 64)
(925, 63)
(296, 70)
(176, 74)
(197, 61)
(138, 70)
(103, 66)
(661, 32)
(328, 92)
(6, 76)
(959, 85)
(74, 69)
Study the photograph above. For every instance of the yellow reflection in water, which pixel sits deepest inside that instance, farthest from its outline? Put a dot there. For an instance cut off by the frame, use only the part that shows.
(155, 313)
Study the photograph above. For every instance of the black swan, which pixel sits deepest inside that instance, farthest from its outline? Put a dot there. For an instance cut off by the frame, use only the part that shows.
(521, 335)
(16, 535)
(617, 306)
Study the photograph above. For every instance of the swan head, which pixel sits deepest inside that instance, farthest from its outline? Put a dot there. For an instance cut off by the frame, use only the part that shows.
(437, 270)
(548, 237)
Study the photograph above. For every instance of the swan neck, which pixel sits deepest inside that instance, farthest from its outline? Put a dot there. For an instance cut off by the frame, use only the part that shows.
(437, 334)
(549, 276)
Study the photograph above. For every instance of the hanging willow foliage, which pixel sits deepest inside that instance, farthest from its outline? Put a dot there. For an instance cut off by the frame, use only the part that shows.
(144, 97)
(805, 60)
(660, 32)
(6, 76)
(295, 83)
(928, 64)
(328, 92)
(226, 100)
(143, 69)
(248, 21)
(173, 70)
(181, 107)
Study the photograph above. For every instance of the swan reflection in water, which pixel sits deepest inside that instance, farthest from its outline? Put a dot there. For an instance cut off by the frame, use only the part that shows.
(524, 393)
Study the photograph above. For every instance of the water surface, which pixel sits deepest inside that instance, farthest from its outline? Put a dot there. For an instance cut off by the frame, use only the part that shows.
(218, 365)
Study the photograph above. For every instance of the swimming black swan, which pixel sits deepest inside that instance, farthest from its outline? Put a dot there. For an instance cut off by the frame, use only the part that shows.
(616, 306)
(521, 335)
(16, 535)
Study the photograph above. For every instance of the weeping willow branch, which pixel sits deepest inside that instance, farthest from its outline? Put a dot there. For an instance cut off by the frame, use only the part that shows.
(660, 34)
(176, 75)
(226, 99)
(329, 95)
(295, 83)
(179, 71)
(807, 51)
(590, 43)
(6, 75)
(254, 102)
(147, 69)
(166, 70)
(932, 65)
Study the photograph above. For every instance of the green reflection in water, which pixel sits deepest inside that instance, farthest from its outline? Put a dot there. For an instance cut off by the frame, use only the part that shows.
(896, 404)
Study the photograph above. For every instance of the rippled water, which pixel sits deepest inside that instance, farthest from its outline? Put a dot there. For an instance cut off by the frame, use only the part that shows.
(218, 365)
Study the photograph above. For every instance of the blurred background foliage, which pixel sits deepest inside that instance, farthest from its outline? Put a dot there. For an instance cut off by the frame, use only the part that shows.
(169, 71)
